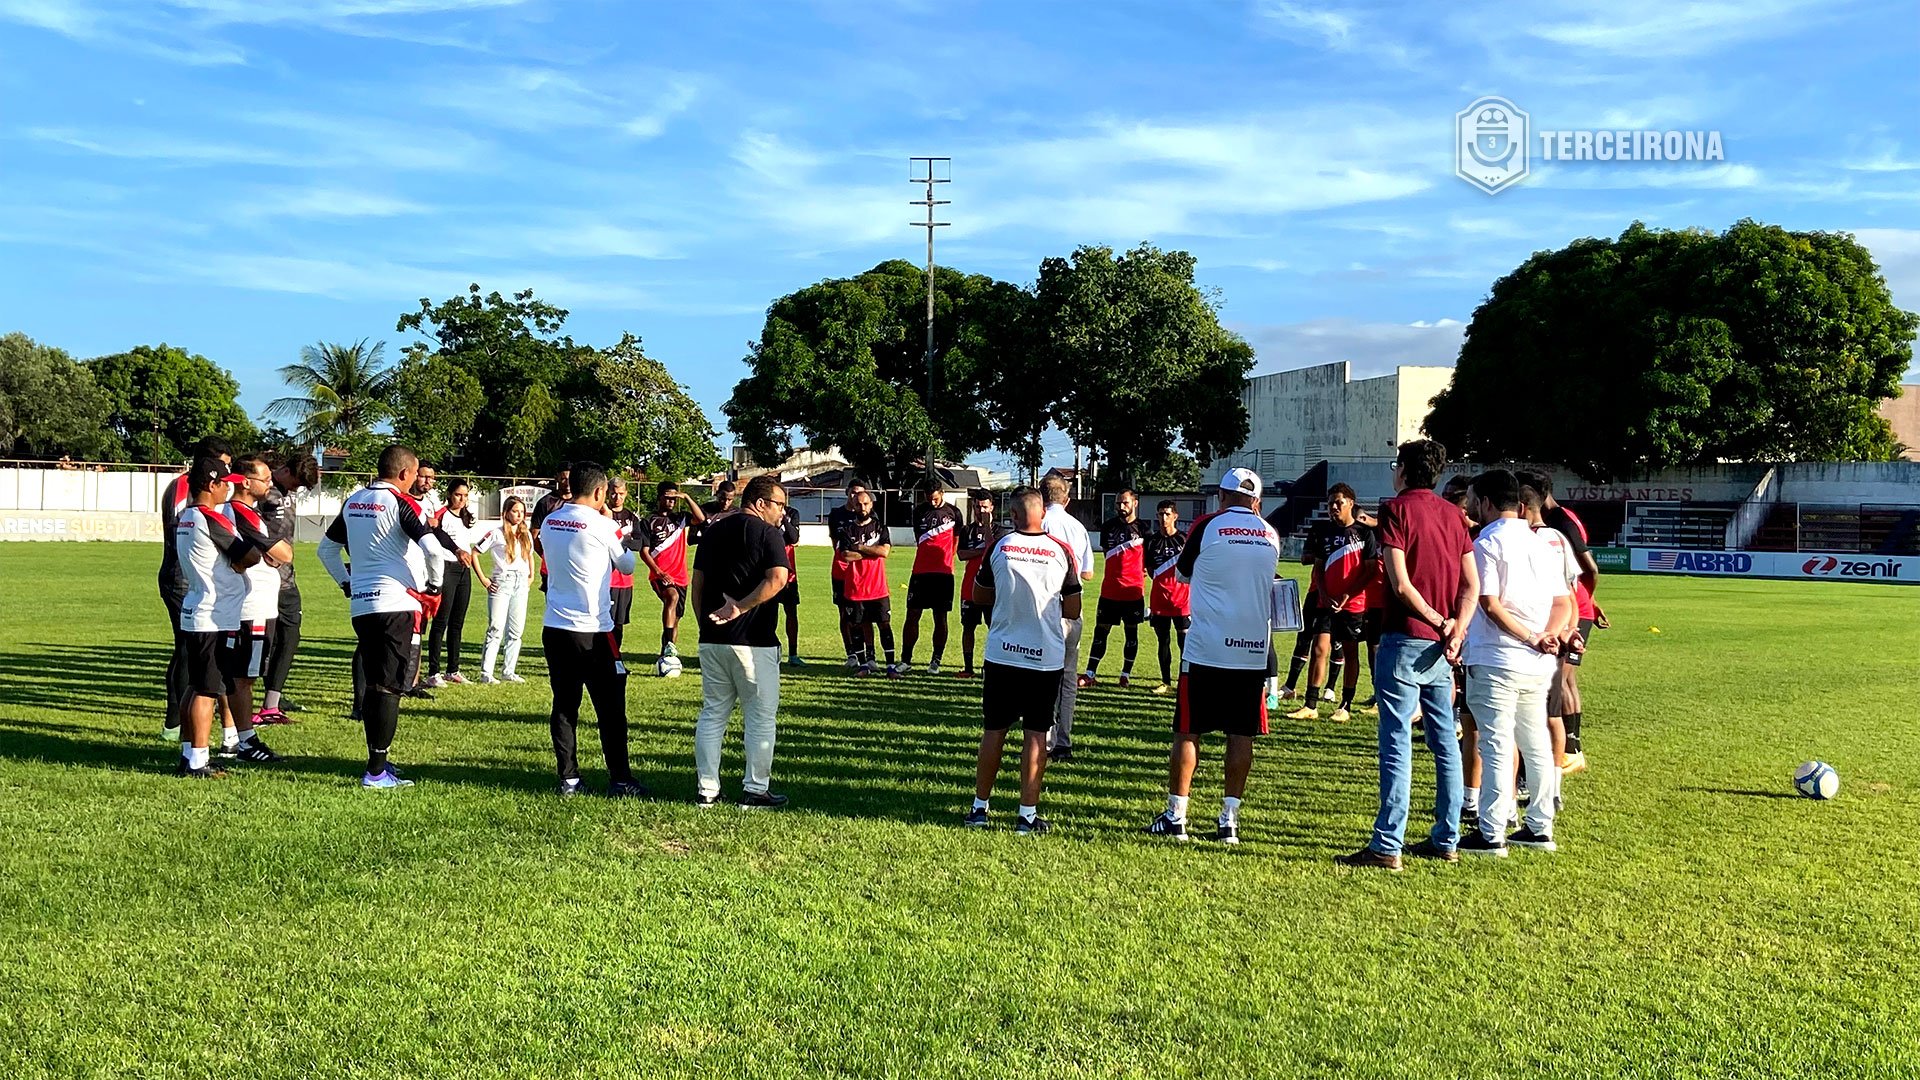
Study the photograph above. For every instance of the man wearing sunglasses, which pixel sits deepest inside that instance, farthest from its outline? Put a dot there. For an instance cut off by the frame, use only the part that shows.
(739, 571)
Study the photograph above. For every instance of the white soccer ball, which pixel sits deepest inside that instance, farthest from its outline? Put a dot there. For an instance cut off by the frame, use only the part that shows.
(1816, 780)
(668, 667)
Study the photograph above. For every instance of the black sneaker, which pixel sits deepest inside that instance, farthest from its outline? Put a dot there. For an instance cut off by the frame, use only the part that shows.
(420, 691)
(704, 801)
(628, 789)
(976, 819)
(1032, 826)
(1226, 834)
(204, 772)
(353, 714)
(570, 788)
(256, 752)
(1527, 838)
(1059, 754)
(761, 800)
(1476, 843)
(1165, 826)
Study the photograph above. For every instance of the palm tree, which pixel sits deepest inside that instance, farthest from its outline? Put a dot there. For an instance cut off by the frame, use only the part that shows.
(343, 391)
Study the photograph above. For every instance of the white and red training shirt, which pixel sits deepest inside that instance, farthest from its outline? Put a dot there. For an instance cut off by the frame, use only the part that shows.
(205, 547)
(583, 549)
(263, 578)
(1029, 573)
(395, 552)
(1169, 595)
(1229, 562)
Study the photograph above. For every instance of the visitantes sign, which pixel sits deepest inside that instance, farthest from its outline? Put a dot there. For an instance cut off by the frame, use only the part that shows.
(78, 525)
(1882, 569)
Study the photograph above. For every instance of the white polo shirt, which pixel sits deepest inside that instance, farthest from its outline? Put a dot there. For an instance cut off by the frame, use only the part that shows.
(1030, 574)
(583, 549)
(1057, 522)
(1521, 568)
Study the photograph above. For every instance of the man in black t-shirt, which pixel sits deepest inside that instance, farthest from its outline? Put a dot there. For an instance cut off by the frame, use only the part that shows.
(739, 570)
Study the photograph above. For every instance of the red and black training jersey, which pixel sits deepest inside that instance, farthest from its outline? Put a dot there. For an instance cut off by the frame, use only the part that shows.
(838, 519)
(976, 537)
(174, 498)
(936, 532)
(626, 523)
(1124, 543)
(790, 532)
(1347, 566)
(1169, 595)
(866, 578)
(667, 543)
(1569, 525)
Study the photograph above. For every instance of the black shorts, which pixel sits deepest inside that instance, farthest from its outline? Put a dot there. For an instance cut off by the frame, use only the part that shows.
(389, 649)
(622, 597)
(863, 612)
(1231, 700)
(1014, 695)
(668, 591)
(1344, 626)
(840, 595)
(1119, 611)
(790, 596)
(1178, 622)
(1372, 625)
(1586, 635)
(246, 653)
(201, 651)
(972, 614)
(930, 592)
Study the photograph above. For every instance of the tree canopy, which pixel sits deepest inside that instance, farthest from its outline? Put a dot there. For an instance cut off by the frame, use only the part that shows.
(161, 400)
(342, 393)
(50, 405)
(1667, 348)
(1125, 352)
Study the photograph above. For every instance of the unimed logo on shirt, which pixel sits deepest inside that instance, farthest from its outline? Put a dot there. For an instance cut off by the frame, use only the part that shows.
(1244, 643)
(1021, 650)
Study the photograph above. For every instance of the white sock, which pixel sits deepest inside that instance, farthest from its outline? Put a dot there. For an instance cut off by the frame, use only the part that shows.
(273, 700)
(229, 737)
(979, 804)
(1177, 807)
(186, 749)
(1473, 798)
(1229, 811)
(1028, 811)
(248, 737)
(197, 757)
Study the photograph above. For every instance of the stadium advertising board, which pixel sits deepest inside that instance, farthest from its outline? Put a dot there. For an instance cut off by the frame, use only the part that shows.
(1612, 559)
(1800, 565)
(78, 525)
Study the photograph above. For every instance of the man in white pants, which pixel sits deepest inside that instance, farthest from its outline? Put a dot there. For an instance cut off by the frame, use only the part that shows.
(1061, 525)
(1511, 655)
(739, 572)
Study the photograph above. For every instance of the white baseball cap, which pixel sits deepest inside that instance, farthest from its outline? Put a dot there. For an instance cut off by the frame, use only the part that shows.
(1241, 482)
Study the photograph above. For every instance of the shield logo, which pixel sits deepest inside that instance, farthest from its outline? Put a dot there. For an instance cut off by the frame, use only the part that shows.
(1490, 148)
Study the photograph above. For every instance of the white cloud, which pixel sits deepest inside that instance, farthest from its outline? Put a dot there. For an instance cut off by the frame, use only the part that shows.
(1667, 28)
(326, 202)
(287, 139)
(674, 100)
(1332, 27)
(1374, 348)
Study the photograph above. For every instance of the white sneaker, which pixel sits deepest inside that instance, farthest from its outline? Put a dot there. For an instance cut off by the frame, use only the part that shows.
(852, 661)
(933, 669)
(486, 679)
(511, 677)
(435, 682)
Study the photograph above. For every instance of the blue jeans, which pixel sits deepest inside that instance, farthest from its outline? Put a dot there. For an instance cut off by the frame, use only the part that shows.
(1412, 675)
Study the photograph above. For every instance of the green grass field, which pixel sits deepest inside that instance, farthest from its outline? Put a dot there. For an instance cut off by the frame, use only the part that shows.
(1699, 921)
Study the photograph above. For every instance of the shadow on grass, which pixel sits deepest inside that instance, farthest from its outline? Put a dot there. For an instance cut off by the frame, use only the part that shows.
(1744, 793)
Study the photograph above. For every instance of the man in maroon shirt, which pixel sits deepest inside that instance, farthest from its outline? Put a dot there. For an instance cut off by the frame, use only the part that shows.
(1432, 590)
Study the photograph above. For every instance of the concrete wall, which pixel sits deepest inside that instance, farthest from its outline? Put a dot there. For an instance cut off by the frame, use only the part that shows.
(1298, 417)
(1903, 413)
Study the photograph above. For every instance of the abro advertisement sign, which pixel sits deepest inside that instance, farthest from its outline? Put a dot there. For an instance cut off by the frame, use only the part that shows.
(1801, 565)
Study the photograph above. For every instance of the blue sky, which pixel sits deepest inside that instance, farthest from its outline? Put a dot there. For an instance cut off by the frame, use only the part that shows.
(243, 177)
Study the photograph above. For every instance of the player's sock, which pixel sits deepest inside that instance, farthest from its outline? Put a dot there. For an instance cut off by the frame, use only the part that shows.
(1130, 649)
(1346, 697)
(1334, 669)
(1028, 812)
(229, 737)
(666, 641)
(197, 757)
(979, 804)
(382, 719)
(186, 749)
(1470, 797)
(247, 735)
(273, 700)
(1572, 722)
(1229, 811)
(1177, 807)
(1313, 695)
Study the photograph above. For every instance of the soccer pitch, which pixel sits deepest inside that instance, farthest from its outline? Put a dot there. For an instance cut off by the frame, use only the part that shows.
(1699, 921)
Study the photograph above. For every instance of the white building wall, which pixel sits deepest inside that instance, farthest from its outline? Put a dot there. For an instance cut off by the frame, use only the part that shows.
(1298, 417)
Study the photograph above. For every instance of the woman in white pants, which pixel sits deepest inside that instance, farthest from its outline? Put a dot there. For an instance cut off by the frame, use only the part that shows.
(511, 546)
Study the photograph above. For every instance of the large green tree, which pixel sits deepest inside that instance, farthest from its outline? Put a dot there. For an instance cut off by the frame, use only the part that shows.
(435, 402)
(844, 363)
(50, 405)
(1665, 348)
(162, 399)
(623, 408)
(341, 393)
(1152, 370)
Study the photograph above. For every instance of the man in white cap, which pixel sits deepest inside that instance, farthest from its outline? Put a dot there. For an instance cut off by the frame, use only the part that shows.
(1229, 562)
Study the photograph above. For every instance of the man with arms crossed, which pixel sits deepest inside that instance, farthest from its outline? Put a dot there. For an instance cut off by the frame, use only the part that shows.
(301, 473)
(212, 557)
(1030, 581)
(975, 539)
(864, 546)
(254, 635)
(1228, 563)
(667, 533)
(175, 498)
(1169, 602)
(583, 549)
(837, 521)
(936, 526)
(738, 573)
(1123, 588)
(1431, 590)
(1512, 652)
(1062, 525)
(626, 523)
(1343, 574)
(392, 592)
